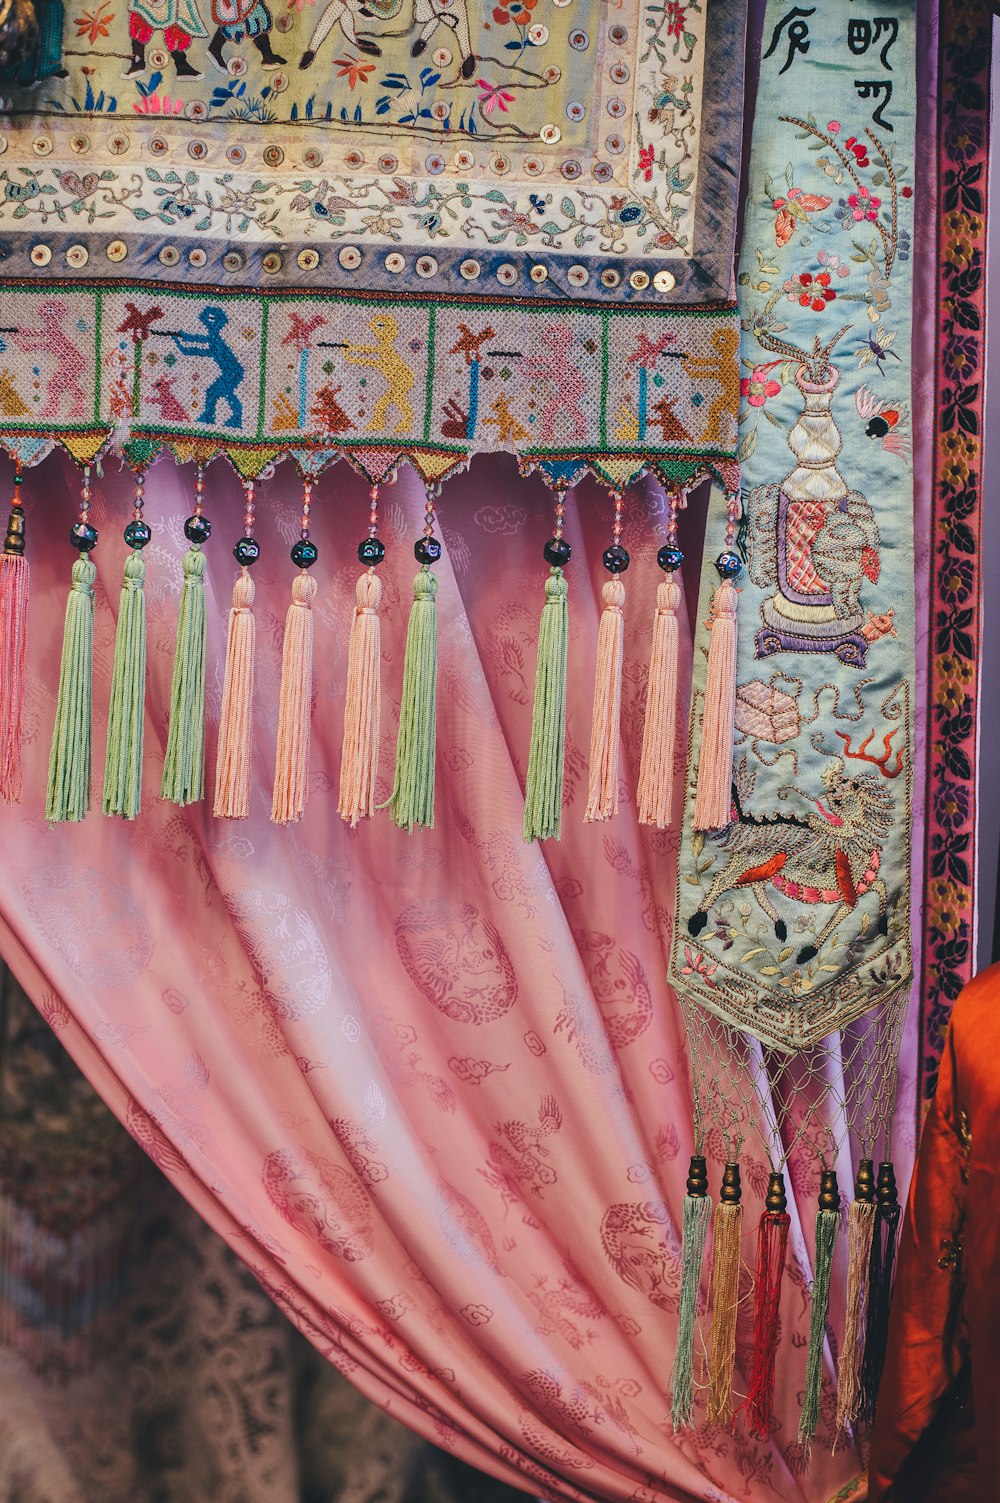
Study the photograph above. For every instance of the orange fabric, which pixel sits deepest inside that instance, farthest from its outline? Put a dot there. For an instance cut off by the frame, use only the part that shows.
(937, 1434)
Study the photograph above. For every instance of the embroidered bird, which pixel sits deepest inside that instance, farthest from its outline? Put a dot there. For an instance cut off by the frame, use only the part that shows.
(884, 420)
(795, 209)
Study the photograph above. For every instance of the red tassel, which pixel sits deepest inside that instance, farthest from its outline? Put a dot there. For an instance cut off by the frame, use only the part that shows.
(13, 618)
(772, 1245)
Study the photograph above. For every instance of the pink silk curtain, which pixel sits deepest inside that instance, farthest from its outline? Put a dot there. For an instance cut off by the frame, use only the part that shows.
(432, 1088)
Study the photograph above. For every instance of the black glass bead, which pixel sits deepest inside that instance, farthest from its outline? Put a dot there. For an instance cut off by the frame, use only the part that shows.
(557, 552)
(83, 536)
(427, 550)
(615, 559)
(669, 558)
(247, 551)
(728, 565)
(304, 553)
(197, 529)
(138, 534)
(371, 551)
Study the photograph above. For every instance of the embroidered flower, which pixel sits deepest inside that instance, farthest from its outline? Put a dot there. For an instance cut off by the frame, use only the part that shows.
(353, 69)
(94, 23)
(494, 98)
(859, 150)
(810, 291)
(833, 263)
(961, 357)
(646, 156)
(676, 18)
(957, 581)
(697, 965)
(758, 386)
(518, 11)
(858, 207)
(833, 126)
(157, 104)
(952, 804)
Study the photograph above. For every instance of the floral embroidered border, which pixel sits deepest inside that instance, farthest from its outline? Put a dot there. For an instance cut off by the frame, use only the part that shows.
(949, 958)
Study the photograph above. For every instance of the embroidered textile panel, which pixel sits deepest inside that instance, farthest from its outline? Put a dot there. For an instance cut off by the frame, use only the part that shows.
(949, 955)
(436, 228)
(794, 918)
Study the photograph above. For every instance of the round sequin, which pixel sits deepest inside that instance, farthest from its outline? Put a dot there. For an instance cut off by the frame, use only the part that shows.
(464, 160)
(619, 35)
(539, 273)
(236, 155)
(271, 263)
(616, 108)
(41, 255)
(118, 143)
(77, 256)
(196, 110)
(562, 3)
(579, 40)
(237, 66)
(285, 23)
(533, 166)
(158, 147)
(571, 170)
(435, 163)
(169, 255)
(440, 110)
(500, 163)
(470, 269)
(387, 163)
(117, 250)
(395, 263)
(441, 58)
(273, 156)
(312, 158)
(198, 256)
(603, 172)
(615, 144)
(575, 110)
(550, 134)
(279, 83)
(79, 144)
(664, 281)
(578, 276)
(354, 160)
(158, 59)
(610, 277)
(552, 74)
(619, 73)
(308, 259)
(538, 35)
(506, 274)
(233, 261)
(639, 281)
(349, 257)
(425, 266)
(42, 146)
(197, 150)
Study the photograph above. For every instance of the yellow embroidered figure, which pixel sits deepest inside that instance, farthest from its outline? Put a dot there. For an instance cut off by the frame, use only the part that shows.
(383, 357)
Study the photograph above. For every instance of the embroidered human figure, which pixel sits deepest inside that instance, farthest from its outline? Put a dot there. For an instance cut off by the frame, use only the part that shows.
(51, 339)
(180, 22)
(724, 366)
(343, 13)
(231, 370)
(239, 19)
(452, 14)
(383, 357)
(568, 381)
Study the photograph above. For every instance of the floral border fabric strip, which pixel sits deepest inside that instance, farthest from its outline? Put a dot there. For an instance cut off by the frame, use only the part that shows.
(949, 956)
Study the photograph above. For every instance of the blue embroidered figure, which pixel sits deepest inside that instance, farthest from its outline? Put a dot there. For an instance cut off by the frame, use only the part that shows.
(231, 371)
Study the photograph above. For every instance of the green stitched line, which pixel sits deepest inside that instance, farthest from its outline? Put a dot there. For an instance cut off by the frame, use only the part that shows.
(98, 315)
(262, 378)
(429, 401)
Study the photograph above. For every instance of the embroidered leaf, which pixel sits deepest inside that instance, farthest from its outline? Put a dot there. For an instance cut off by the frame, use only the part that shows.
(748, 446)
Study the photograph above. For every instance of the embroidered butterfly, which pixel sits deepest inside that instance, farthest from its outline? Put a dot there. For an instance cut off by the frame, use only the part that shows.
(795, 209)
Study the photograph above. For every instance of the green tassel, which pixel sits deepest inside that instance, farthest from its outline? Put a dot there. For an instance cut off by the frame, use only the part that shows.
(694, 1231)
(68, 793)
(543, 793)
(412, 800)
(127, 711)
(827, 1227)
(184, 764)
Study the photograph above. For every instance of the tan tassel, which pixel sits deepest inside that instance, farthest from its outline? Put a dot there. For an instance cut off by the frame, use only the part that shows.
(291, 769)
(605, 735)
(860, 1232)
(232, 776)
(713, 796)
(656, 767)
(363, 705)
(727, 1240)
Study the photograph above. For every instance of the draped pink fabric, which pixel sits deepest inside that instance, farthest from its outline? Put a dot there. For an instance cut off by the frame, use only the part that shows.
(432, 1088)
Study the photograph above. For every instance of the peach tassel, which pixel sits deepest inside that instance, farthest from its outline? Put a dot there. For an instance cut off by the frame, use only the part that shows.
(605, 736)
(363, 706)
(291, 769)
(656, 767)
(232, 778)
